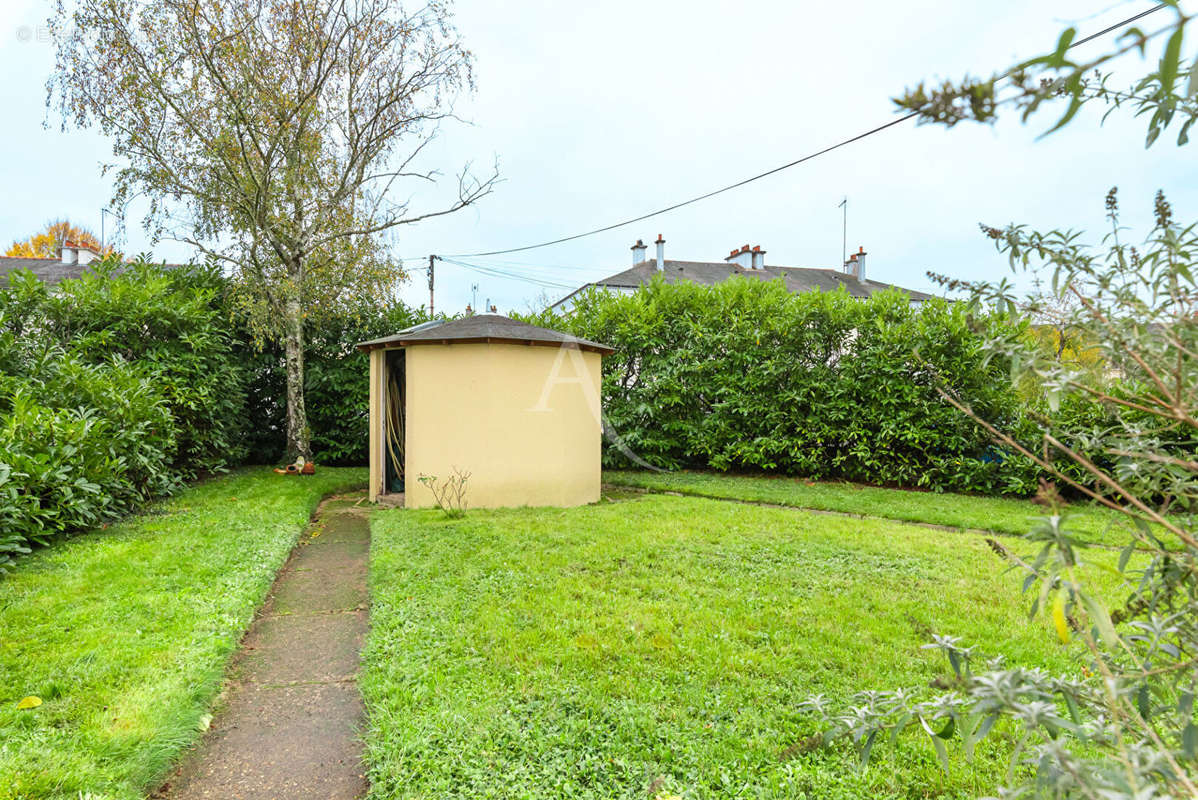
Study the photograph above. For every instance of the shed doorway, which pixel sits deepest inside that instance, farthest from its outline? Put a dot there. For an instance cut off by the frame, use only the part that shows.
(394, 435)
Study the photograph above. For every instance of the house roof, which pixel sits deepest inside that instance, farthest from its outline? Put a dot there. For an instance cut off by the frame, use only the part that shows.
(48, 270)
(707, 273)
(482, 328)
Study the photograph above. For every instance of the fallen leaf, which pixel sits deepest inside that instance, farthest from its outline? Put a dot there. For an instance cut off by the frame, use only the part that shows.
(29, 702)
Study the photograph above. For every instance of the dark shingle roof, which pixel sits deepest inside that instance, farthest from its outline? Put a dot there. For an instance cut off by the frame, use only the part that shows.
(706, 273)
(482, 328)
(49, 270)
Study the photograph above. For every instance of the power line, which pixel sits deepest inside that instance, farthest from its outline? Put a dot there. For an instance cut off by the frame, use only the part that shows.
(503, 274)
(1116, 26)
(775, 170)
(676, 206)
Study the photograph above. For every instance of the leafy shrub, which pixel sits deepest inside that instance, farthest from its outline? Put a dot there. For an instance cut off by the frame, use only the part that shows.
(171, 322)
(81, 444)
(113, 388)
(138, 427)
(745, 375)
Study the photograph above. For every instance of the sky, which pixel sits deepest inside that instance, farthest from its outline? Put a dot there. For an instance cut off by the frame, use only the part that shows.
(602, 112)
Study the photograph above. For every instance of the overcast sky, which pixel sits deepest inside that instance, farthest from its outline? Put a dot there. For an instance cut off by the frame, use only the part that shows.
(600, 112)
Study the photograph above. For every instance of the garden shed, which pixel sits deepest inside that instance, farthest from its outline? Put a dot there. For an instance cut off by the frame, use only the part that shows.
(515, 407)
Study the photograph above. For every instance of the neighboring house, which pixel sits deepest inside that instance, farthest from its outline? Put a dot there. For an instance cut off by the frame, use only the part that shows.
(71, 264)
(746, 262)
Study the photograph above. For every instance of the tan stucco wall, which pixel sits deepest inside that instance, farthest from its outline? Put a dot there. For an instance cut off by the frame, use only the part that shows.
(522, 420)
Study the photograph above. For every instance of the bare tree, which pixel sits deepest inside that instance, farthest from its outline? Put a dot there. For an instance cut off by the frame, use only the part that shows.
(272, 135)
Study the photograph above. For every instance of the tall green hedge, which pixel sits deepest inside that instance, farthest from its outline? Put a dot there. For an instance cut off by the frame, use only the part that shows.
(745, 375)
(114, 388)
(172, 323)
(120, 385)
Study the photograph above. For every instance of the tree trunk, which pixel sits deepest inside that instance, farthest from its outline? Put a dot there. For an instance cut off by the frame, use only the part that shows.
(298, 442)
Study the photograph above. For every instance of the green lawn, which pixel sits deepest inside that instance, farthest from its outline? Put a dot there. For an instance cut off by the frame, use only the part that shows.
(125, 633)
(998, 514)
(665, 642)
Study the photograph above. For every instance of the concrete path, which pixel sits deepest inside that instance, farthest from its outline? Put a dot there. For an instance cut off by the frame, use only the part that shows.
(289, 726)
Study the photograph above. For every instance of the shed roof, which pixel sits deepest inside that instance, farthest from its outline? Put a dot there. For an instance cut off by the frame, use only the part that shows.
(483, 328)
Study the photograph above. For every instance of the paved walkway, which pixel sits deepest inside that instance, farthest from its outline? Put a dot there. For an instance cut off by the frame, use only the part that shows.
(288, 728)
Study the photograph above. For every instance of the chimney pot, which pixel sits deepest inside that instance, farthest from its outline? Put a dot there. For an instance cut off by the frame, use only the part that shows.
(661, 253)
(638, 252)
(758, 258)
(741, 257)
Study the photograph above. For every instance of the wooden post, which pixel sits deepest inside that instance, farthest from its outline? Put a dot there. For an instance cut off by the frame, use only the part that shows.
(378, 420)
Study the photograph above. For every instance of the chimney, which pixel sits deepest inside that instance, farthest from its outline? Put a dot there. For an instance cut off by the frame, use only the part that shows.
(75, 253)
(850, 266)
(743, 257)
(638, 252)
(860, 264)
(661, 253)
(758, 257)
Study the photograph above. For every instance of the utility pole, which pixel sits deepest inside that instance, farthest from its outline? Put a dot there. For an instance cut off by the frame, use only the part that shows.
(431, 268)
(844, 234)
(103, 239)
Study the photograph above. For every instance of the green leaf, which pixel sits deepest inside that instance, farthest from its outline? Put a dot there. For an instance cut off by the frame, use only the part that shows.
(1189, 740)
(1192, 86)
(1171, 60)
(1144, 701)
(1071, 704)
(867, 747)
(941, 752)
(1063, 44)
(903, 722)
(1125, 555)
(1101, 620)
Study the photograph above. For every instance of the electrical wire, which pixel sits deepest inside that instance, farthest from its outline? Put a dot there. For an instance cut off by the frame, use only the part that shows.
(878, 129)
(503, 274)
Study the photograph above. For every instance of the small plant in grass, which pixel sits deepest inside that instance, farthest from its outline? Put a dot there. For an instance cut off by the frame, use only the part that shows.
(449, 494)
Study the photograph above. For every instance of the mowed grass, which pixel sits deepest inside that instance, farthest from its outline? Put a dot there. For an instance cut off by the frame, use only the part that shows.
(1089, 523)
(124, 633)
(662, 645)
